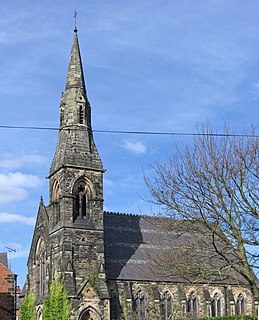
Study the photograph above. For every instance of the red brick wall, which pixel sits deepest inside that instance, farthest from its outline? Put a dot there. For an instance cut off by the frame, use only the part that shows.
(7, 279)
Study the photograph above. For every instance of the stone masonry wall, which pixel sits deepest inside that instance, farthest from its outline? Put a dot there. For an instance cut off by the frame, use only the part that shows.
(125, 292)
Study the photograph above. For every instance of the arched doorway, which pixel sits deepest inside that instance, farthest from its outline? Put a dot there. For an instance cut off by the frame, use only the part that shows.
(89, 314)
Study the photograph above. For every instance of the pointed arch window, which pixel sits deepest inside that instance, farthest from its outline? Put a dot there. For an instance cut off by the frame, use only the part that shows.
(240, 304)
(81, 202)
(166, 306)
(216, 306)
(192, 305)
(56, 193)
(114, 305)
(42, 267)
(140, 305)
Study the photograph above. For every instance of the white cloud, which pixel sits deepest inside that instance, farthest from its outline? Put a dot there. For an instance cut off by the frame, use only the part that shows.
(20, 254)
(13, 186)
(16, 218)
(107, 182)
(134, 146)
(10, 161)
(18, 179)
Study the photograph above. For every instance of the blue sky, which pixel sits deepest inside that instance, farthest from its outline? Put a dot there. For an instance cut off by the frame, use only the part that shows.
(149, 65)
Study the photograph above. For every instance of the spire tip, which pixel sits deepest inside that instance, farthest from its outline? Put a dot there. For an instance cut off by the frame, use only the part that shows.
(75, 14)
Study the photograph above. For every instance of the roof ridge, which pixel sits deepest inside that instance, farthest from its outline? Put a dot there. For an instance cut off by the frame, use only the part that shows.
(123, 214)
(134, 215)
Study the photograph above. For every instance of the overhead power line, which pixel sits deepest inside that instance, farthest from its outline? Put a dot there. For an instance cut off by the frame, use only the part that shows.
(28, 127)
(134, 132)
(177, 133)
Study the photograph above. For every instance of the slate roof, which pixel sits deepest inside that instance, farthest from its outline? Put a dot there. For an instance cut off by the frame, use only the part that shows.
(3, 259)
(131, 241)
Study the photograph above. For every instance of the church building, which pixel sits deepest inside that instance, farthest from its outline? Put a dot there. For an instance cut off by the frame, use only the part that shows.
(104, 258)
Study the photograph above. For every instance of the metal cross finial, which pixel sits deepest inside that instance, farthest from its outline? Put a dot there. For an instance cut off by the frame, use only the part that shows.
(75, 14)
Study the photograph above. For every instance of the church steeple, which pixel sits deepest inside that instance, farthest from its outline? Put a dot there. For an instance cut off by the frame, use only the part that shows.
(75, 145)
(70, 229)
(76, 170)
(75, 76)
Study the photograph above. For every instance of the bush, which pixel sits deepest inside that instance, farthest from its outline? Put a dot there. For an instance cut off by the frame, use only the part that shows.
(57, 306)
(27, 308)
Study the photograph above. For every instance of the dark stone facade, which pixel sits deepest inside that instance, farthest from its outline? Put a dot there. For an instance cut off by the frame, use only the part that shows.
(68, 237)
(105, 258)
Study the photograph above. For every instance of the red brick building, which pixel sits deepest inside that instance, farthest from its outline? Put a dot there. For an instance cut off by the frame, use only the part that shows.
(7, 290)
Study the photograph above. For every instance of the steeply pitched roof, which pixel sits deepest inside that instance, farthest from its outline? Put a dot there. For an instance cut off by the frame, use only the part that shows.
(137, 246)
(75, 146)
(75, 76)
(130, 243)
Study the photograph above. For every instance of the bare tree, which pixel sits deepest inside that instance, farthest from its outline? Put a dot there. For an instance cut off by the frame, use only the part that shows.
(210, 189)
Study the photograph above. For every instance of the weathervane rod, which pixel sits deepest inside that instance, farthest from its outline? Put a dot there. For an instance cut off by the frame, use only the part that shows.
(75, 15)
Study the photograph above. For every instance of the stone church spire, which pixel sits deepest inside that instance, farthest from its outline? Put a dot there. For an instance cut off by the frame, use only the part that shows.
(75, 76)
(75, 145)
(68, 241)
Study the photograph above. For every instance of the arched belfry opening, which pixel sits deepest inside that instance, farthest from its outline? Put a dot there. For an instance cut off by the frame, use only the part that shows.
(82, 196)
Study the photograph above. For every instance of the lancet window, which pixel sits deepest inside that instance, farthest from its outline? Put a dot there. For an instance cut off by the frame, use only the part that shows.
(240, 304)
(216, 306)
(114, 304)
(166, 305)
(41, 261)
(192, 305)
(140, 305)
(81, 202)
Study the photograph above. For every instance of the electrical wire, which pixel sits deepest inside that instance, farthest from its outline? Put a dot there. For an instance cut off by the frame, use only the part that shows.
(133, 132)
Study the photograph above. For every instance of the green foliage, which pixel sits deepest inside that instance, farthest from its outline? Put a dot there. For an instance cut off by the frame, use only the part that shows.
(27, 308)
(57, 306)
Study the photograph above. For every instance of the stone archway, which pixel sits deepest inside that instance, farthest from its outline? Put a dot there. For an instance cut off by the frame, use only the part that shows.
(89, 314)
